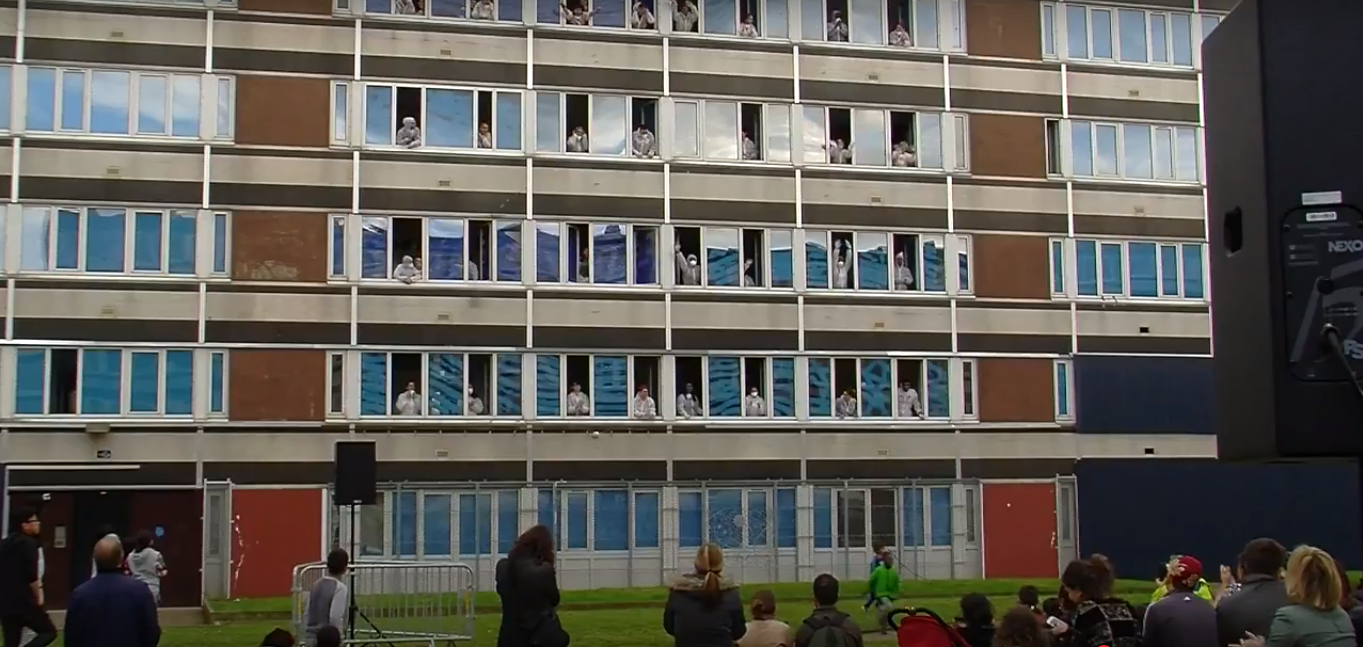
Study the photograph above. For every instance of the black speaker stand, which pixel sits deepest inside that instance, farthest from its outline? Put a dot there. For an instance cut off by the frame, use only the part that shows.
(356, 615)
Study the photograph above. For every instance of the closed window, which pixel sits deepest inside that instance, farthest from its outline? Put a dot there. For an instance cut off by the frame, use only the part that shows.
(1133, 151)
(114, 103)
(116, 240)
(110, 382)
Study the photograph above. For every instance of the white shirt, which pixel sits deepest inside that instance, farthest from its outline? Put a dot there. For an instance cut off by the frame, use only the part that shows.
(755, 406)
(687, 406)
(846, 407)
(409, 403)
(645, 408)
(578, 404)
(909, 403)
(475, 405)
(481, 11)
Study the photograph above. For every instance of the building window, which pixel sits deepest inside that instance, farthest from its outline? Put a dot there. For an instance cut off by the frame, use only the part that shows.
(340, 113)
(601, 386)
(737, 517)
(414, 249)
(1064, 390)
(896, 23)
(601, 253)
(1120, 35)
(731, 131)
(862, 261)
(885, 138)
(1138, 269)
(734, 387)
(442, 118)
(847, 388)
(499, 10)
(1134, 151)
(6, 91)
(600, 124)
(109, 382)
(760, 19)
(733, 258)
(1209, 24)
(417, 385)
(116, 240)
(1053, 148)
(1057, 267)
(124, 103)
(969, 398)
(617, 14)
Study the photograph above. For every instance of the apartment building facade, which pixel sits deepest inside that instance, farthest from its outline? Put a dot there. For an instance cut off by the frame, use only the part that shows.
(473, 231)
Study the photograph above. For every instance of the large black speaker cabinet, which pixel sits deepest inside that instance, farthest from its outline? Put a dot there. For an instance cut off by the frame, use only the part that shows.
(1284, 150)
(356, 473)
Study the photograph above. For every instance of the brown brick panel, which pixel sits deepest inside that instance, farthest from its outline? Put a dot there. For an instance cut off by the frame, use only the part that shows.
(279, 246)
(277, 385)
(283, 111)
(1007, 28)
(1016, 390)
(315, 7)
(1007, 145)
(1011, 267)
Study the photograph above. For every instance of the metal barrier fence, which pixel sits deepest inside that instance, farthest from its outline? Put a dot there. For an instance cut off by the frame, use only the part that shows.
(420, 603)
(624, 535)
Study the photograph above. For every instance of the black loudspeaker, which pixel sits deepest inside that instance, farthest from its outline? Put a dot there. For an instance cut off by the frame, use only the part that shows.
(356, 473)
(1284, 152)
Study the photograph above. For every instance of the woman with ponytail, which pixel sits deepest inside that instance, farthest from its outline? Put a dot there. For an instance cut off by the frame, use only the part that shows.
(703, 607)
(1314, 618)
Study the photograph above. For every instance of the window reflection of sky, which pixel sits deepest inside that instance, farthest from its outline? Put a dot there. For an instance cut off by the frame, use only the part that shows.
(609, 131)
(721, 130)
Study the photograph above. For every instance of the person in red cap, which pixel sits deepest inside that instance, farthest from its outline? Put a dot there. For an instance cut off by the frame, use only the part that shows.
(1182, 618)
(1202, 589)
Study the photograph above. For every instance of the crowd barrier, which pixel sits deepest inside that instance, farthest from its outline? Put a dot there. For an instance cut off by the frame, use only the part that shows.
(398, 603)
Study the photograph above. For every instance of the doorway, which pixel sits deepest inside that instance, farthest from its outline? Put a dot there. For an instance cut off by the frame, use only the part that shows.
(92, 511)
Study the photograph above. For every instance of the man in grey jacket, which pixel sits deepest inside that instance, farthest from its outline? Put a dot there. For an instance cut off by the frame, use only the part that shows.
(1181, 618)
(329, 600)
(1261, 594)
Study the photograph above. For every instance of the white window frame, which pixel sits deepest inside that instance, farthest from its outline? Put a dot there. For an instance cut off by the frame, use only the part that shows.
(52, 211)
(1154, 129)
(135, 78)
(1150, 15)
(344, 6)
(423, 119)
(1058, 257)
(964, 249)
(162, 379)
(1067, 398)
(745, 537)
(952, 9)
(970, 390)
(226, 384)
(342, 221)
(763, 142)
(962, 138)
(423, 388)
(340, 101)
(568, 260)
(920, 384)
(566, 385)
(762, 21)
(125, 385)
(920, 256)
(332, 357)
(425, 252)
(1125, 294)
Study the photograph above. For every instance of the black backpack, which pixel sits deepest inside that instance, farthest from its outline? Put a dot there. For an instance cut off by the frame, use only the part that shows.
(828, 632)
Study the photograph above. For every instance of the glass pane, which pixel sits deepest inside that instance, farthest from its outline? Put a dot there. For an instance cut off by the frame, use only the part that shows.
(816, 259)
(6, 90)
(721, 130)
(645, 256)
(1102, 33)
(1077, 26)
(151, 104)
(220, 243)
(185, 100)
(1192, 272)
(778, 131)
(446, 249)
(812, 20)
(1168, 269)
(721, 257)
(1081, 145)
(1131, 24)
(509, 11)
(726, 391)
(610, 125)
(783, 387)
(373, 384)
(35, 239)
(435, 524)
(1159, 38)
(340, 111)
(1164, 154)
(548, 386)
(42, 96)
(925, 23)
(448, 8)
(508, 384)
(934, 269)
(179, 382)
(1057, 267)
(1112, 268)
(225, 107)
(873, 261)
(68, 239)
(1107, 150)
(508, 116)
(145, 383)
(101, 379)
(939, 400)
(1086, 267)
(449, 118)
(868, 22)
(610, 385)
(776, 23)
(609, 254)
(30, 383)
(73, 100)
(869, 137)
(378, 115)
(1181, 34)
(814, 132)
(929, 140)
(686, 142)
(1187, 161)
(548, 251)
(445, 384)
(1209, 24)
(216, 383)
(548, 123)
(508, 251)
(782, 258)
(1048, 30)
(1136, 151)
(1141, 266)
(1062, 389)
(105, 230)
(719, 16)
(109, 95)
(147, 241)
(183, 225)
(820, 388)
(876, 393)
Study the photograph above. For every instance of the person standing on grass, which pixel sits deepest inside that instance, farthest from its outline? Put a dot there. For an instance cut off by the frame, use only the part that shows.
(884, 588)
(21, 584)
(329, 600)
(111, 610)
(147, 564)
(703, 607)
(877, 552)
(528, 588)
(827, 626)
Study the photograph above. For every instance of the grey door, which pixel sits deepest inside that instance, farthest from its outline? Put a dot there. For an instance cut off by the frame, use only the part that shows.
(217, 544)
(1066, 525)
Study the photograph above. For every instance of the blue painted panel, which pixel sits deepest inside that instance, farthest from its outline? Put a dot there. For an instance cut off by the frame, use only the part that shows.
(1126, 505)
(1144, 395)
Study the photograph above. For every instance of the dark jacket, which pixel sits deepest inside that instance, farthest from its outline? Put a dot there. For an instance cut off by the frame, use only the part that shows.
(976, 635)
(806, 631)
(529, 590)
(1181, 619)
(18, 572)
(1104, 623)
(111, 610)
(696, 621)
(1356, 617)
(1250, 609)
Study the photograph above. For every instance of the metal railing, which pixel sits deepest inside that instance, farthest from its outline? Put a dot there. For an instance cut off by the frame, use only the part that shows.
(411, 603)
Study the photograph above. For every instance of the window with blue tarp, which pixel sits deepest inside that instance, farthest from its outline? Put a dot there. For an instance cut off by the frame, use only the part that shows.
(404, 523)
(475, 524)
(646, 510)
(823, 518)
(436, 514)
(690, 520)
(611, 519)
(940, 509)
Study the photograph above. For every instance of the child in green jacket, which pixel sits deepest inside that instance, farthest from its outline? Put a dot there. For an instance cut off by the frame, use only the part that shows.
(884, 588)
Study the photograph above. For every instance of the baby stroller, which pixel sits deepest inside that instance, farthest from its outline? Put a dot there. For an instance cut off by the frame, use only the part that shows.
(923, 628)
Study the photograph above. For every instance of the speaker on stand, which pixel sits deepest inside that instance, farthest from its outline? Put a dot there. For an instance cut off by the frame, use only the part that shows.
(355, 484)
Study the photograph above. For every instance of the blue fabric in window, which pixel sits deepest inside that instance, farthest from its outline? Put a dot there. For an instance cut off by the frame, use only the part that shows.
(939, 399)
(145, 382)
(445, 384)
(1168, 269)
(823, 518)
(645, 256)
(725, 391)
(1062, 389)
(101, 381)
(508, 520)
(690, 520)
(509, 112)
(940, 509)
(548, 386)
(575, 520)
(785, 518)
(873, 268)
(105, 231)
(783, 267)
(725, 512)
(217, 382)
(435, 525)
(379, 126)
(1142, 267)
(547, 513)
(934, 268)
(220, 243)
(877, 392)
(816, 261)
(449, 118)
(757, 518)
(911, 507)
(30, 381)
(374, 248)
(1086, 267)
(783, 387)
(179, 382)
(1192, 272)
(608, 254)
(68, 240)
(446, 240)
(475, 524)
(338, 247)
(181, 250)
(373, 384)
(646, 520)
(1112, 268)
(611, 519)
(610, 386)
(509, 251)
(404, 524)
(548, 255)
(42, 97)
(147, 241)
(820, 387)
(508, 385)
(1057, 267)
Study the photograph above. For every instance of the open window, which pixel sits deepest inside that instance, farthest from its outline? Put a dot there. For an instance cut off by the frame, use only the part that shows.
(578, 122)
(1053, 165)
(409, 118)
(754, 255)
(644, 120)
(899, 22)
(645, 371)
(481, 251)
(335, 384)
(577, 370)
(845, 386)
(903, 139)
(689, 380)
(906, 273)
(578, 255)
(405, 384)
(757, 391)
(405, 248)
(498, 123)
(909, 390)
(840, 143)
(687, 256)
(62, 397)
(750, 131)
(842, 262)
(481, 396)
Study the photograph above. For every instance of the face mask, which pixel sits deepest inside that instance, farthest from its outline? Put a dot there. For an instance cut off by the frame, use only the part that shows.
(694, 262)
